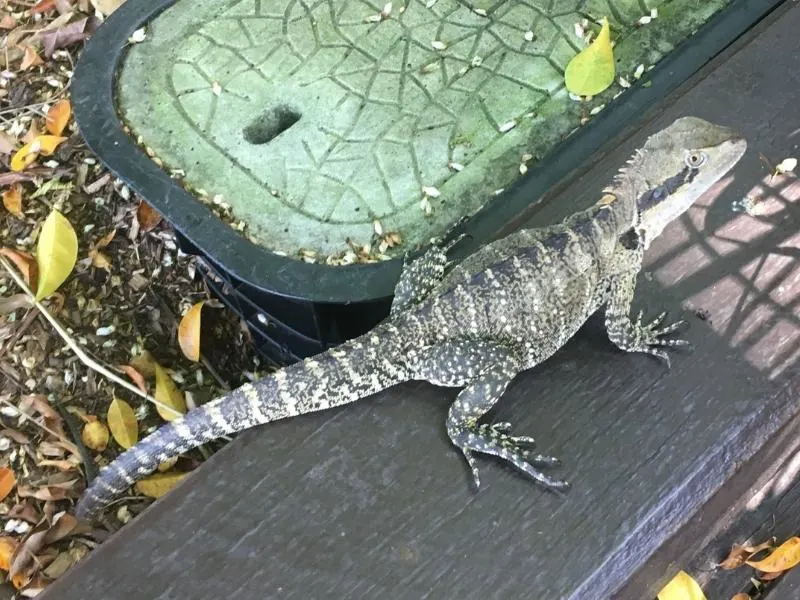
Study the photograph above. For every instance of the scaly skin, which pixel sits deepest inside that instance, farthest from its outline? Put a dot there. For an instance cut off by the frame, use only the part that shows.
(502, 310)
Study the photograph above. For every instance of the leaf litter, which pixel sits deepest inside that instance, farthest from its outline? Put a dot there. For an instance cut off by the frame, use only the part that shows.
(119, 298)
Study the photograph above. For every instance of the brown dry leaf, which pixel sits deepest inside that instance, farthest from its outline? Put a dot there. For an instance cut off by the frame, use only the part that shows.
(66, 36)
(106, 239)
(58, 117)
(739, 554)
(7, 482)
(26, 265)
(65, 525)
(137, 377)
(168, 393)
(8, 546)
(144, 363)
(784, 557)
(7, 143)
(122, 422)
(52, 420)
(54, 491)
(147, 216)
(32, 133)
(30, 59)
(157, 485)
(15, 435)
(770, 576)
(24, 555)
(95, 436)
(741, 596)
(61, 465)
(99, 260)
(12, 200)
(189, 332)
(8, 22)
(107, 6)
(11, 303)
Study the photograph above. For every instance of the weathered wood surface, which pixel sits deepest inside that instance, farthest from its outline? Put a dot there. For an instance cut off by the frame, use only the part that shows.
(371, 500)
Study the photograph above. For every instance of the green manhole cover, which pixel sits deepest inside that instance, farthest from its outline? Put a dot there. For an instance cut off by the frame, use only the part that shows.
(324, 121)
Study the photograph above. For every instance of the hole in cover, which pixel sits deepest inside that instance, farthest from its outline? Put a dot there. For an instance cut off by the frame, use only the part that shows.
(270, 125)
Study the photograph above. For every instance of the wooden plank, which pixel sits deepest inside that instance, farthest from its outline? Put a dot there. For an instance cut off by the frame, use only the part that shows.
(371, 500)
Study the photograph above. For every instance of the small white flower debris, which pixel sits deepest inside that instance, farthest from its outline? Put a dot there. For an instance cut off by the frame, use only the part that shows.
(431, 192)
(507, 126)
(787, 165)
(638, 72)
(479, 11)
(138, 36)
(455, 166)
(373, 19)
(430, 3)
(376, 225)
(575, 97)
(527, 157)
(623, 82)
(580, 31)
(429, 68)
(653, 13)
(216, 88)
(644, 20)
(597, 109)
(499, 191)
(476, 61)
(529, 36)
(438, 45)
(387, 10)
(105, 331)
(523, 168)
(426, 206)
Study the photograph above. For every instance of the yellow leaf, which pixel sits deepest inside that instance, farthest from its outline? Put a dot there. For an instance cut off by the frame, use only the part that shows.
(168, 393)
(58, 117)
(24, 157)
(8, 546)
(159, 484)
(682, 587)
(56, 253)
(592, 70)
(7, 482)
(12, 200)
(122, 422)
(95, 435)
(189, 332)
(47, 144)
(784, 557)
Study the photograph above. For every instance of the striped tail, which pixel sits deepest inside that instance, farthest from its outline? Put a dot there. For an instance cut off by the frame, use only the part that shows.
(352, 371)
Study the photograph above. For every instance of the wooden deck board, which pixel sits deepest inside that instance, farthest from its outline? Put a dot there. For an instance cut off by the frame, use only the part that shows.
(371, 500)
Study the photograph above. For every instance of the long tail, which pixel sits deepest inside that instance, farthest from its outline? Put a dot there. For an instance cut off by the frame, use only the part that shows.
(355, 369)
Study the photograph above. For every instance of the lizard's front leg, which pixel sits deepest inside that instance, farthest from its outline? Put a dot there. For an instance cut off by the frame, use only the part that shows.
(634, 335)
(484, 369)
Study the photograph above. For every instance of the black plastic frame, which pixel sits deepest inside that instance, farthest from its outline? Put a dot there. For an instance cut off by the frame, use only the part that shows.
(94, 104)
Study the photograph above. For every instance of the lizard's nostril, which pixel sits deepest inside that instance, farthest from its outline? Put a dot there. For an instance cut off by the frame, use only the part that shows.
(270, 124)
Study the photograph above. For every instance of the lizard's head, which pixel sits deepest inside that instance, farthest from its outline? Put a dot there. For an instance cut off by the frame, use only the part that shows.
(678, 165)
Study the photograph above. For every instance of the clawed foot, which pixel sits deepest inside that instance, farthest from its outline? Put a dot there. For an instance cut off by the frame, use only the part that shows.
(651, 337)
(518, 450)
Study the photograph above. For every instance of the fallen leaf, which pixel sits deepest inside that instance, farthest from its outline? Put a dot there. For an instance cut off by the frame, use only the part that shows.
(122, 422)
(147, 216)
(7, 482)
(159, 484)
(66, 36)
(592, 70)
(167, 393)
(682, 587)
(58, 117)
(25, 263)
(787, 165)
(739, 554)
(7, 143)
(15, 435)
(30, 58)
(95, 436)
(107, 6)
(137, 377)
(53, 492)
(784, 557)
(12, 200)
(189, 332)
(8, 546)
(144, 363)
(106, 239)
(8, 22)
(741, 596)
(56, 253)
(99, 260)
(27, 155)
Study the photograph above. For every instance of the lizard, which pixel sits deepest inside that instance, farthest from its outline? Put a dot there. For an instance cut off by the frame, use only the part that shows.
(476, 324)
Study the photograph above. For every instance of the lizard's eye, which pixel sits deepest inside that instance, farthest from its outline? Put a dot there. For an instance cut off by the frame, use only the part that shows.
(695, 159)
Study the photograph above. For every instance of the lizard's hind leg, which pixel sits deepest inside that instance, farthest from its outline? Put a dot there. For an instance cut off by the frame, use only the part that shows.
(485, 369)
